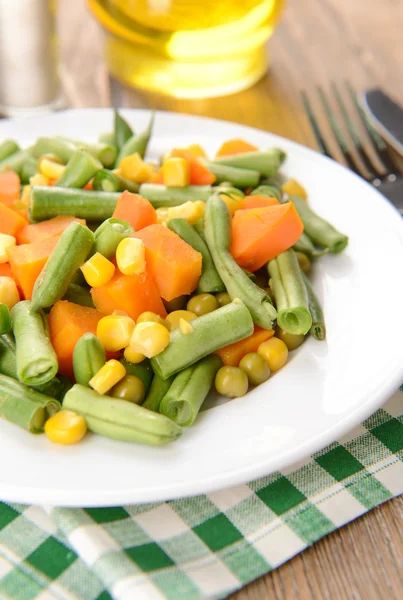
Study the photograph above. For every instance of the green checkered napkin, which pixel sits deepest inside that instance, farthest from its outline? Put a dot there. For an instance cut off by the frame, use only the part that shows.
(203, 547)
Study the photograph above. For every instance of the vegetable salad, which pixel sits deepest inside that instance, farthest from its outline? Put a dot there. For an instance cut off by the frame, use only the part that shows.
(129, 289)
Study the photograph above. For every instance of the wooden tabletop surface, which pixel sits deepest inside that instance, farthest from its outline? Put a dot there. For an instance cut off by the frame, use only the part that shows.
(316, 43)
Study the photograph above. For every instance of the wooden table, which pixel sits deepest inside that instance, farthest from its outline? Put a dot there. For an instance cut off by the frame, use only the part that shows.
(317, 42)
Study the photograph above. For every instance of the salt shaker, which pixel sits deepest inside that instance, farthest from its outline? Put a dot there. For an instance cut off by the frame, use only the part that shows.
(28, 57)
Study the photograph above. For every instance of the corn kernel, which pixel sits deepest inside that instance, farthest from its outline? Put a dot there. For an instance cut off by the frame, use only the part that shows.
(190, 211)
(233, 201)
(107, 376)
(150, 339)
(51, 169)
(293, 188)
(185, 326)
(275, 353)
(97, 270)
(24, 200)
(151, 317)
(176, 172)
(175, 317)
(197, 150)
(162, 214)
(134, 168)
(38, 179)
(9, 294)
(130, 256)
(132, 356)
(114, 332)
(65, 427)
(6, 241)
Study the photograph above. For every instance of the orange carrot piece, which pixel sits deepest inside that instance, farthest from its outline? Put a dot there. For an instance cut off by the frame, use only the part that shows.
(5, 270)
(260, 234)
(27, 261)
(258, 202)
(174, 265)
(136, 210)
(67, 323)
(232, 354)
(10, 221)
(9, 187)
(198, 173)
(40, 231)
(157, 177)
(134, 294)
(236, 146)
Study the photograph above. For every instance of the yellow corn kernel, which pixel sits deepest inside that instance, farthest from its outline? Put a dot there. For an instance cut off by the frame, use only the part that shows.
(131, 256)
(197, 150)
(176, 172)
(24, 200)
(51, 169)
(6, 241)
(191, 211)
(38, 179)
(151, 317)
(233, 201)
(65, 427)
(162, 214)
(8, 292)
(149, 338)
(175, 317)
(134, 168)
(107, 376)
(132, 356)
(97, 270)
(114, 332)
(275, 353)
(293, 188)
(185, 326)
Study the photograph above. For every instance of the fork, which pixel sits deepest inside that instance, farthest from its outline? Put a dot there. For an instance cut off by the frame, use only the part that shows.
(388, 180)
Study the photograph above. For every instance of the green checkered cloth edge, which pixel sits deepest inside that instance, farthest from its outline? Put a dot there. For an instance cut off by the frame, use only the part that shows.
(203, 547)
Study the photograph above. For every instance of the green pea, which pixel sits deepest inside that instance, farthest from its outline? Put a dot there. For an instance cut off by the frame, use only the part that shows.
(130, 388)
(255, 367)
(202, 304)
(178, 303)
(223, 298)
(291, 340)
(231, 382)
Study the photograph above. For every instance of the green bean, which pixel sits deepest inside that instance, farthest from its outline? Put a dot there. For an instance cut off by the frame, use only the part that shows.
(79, 295)
(107, 181)
(47, 202)
(67, 257)
(209, 281)
(28, 169)
(199, 228)
(137, 143)
(318, 329)
(120, 420)
(321, 232)
(105, 153)
(238, 177)
(267, 163)
(270, 191)
(55, 388)
(290, 294)
(8, 361)
(163, 196)
(36, 359)
(24, 406)
(7, 148)
(212, 331)
(88, 358)
(304, 244)
(123, 132)
(81, 167)
(188, 391)
(217, 228)
(141, 370)
(62, 148)
(5, 319)
(108, 138)
(109, 234)
(159, 387)
(15, 161)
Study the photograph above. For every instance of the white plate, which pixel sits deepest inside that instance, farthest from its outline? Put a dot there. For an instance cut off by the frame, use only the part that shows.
(325, 389)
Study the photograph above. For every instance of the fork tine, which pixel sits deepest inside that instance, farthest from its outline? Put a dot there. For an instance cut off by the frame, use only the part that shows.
(337, 133)
(323, 147)
(353, 133)
(377, 142)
